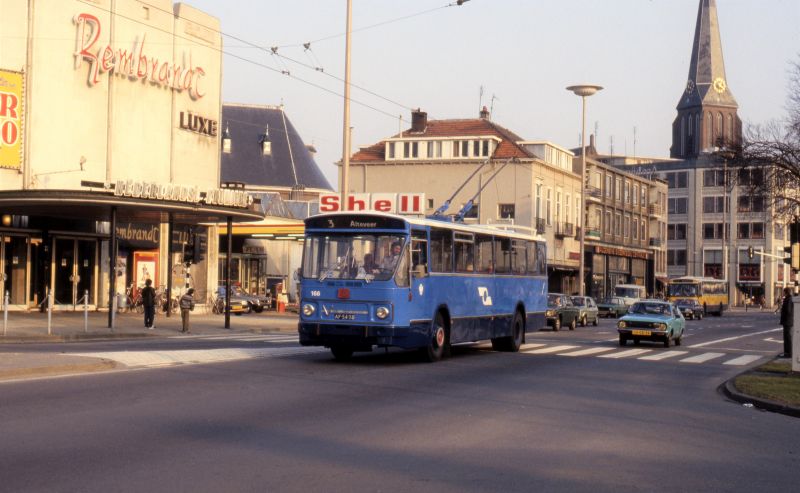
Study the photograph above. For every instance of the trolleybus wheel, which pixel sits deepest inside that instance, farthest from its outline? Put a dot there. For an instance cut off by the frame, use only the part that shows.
(514, 341)
(342, 353)
(439, 343)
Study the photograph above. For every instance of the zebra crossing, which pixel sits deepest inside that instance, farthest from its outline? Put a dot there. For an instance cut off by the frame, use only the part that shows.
(643, 354)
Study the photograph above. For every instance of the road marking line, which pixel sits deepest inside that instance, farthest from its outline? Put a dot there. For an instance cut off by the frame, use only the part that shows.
(584, 352)
(733, 338)
(660, 356)
(702, 358)
(743, 360)
(553, 349)
(528, 347)
(625, 354)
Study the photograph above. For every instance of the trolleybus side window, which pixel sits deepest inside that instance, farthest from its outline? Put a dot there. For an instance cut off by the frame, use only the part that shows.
(502, 255)
(541, 258)
(483, 254)
(518, 262)
(419, 252)
(465, 247)
(441, 250)
(401, 277)
(531, 247)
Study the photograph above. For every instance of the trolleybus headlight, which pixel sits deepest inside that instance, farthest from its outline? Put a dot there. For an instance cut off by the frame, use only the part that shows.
(382, 312)
(621, 324)
(308, 309)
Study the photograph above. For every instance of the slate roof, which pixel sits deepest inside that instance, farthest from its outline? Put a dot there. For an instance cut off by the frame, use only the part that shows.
(246, 164)
(475, 127)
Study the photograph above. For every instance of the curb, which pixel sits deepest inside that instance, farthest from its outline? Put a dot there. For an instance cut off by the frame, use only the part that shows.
(50, 371)
(729, 390)
(73, 338)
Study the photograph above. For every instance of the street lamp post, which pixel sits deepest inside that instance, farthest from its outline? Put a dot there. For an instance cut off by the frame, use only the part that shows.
(583, 90)
(346, 124)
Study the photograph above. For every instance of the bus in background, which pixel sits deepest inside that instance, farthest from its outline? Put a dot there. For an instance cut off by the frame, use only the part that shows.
(383, 280)
(631, 293)
(712, 294)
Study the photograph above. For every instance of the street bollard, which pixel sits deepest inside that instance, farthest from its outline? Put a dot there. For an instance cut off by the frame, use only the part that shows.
(49, 312)
(86, 311)
(5, 314)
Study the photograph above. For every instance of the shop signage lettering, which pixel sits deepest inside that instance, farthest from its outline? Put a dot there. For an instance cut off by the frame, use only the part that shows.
(10, 119)
(179, 193)
(254, 250)
(134, 64)
(396, 203)
(198, 124)
(620, 252)
(138, 233)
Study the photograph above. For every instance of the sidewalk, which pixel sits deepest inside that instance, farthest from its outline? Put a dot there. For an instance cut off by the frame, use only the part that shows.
(66, 327)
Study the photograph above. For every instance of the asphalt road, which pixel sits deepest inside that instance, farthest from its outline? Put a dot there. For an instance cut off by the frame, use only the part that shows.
(539, 420)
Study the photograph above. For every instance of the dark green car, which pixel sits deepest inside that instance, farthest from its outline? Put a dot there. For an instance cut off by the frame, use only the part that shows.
(561, 311)
(612, 307)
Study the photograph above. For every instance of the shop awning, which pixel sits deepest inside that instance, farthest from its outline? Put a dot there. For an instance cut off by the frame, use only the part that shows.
(98, 206)
(279, 229)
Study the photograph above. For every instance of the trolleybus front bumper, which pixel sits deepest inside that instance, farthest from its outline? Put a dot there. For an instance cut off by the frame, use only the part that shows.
(364, 337)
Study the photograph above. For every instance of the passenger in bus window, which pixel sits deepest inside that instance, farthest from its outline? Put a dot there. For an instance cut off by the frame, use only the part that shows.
(390, 261)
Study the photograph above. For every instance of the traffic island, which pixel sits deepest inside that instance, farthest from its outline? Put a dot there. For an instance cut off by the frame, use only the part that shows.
(771, 387)
(16, 366)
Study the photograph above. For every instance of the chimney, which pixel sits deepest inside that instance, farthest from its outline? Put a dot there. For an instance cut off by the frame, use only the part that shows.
(484, 113)
(419, 121)
(591, 141)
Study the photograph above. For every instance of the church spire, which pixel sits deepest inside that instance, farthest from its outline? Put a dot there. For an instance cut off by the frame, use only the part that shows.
(707, 109)
(707, 83)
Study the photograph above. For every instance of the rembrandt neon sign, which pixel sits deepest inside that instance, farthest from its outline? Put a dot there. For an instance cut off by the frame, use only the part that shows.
(135, 64)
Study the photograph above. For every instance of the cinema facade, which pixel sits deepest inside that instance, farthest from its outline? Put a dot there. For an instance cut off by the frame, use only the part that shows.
(109, 122)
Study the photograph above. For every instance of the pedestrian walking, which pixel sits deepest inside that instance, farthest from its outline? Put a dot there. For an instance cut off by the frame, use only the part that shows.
(149, 304)
(186, 304)
(787, 320)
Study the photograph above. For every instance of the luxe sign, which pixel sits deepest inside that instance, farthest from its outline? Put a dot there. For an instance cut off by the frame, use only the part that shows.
(395, 203)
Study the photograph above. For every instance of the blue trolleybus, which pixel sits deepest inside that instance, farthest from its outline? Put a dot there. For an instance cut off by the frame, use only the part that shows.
(380, 280)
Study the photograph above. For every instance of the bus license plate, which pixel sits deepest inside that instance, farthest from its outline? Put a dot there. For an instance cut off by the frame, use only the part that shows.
(641, 332)
(344, 316)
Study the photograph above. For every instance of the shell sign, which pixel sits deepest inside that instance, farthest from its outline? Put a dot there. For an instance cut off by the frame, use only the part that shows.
(11, 91)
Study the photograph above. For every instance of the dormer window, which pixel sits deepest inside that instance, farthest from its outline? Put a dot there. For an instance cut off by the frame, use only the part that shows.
(266, 144)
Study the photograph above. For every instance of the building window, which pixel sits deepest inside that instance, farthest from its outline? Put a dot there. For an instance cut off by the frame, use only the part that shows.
(608, 223)
(712, 205)
(435, 148)
(677, 205)
(627, 227)
(548, 205)
(636, 195)
(558, 206)
(390, 146)
(678, 179)
(743, 230)
(618, 190)
(780, 231)
(635, 229)
(538, 201)
(505, 211)
(713, 178)
(578, 213)
(676, 232)
(712, 264)
(644, 229)
(713, 231)
(485, 148)
(617, 224)
(757, 231)
(676, 257)
(644, 196)
(609, 185)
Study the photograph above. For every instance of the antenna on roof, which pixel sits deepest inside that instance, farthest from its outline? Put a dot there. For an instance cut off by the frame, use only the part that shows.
(480, 98)
(634, 141)
(491, 105)
(611, 140)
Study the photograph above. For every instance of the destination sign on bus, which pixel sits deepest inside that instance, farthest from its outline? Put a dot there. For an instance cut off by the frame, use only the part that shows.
(394, 203)
(346, 221)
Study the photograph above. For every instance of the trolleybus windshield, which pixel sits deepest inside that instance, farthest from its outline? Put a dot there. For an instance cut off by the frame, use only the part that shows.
(352, 256)
(685, 290)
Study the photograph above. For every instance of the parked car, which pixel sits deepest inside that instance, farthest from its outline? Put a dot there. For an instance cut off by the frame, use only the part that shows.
(561, 311)
(690, 308)
(613, 306)
(652, 320)
(587, 310)
(239, 303)
(256, 302)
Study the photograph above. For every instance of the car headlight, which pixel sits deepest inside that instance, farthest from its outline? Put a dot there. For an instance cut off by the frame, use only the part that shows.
(662, 326)
(550, 313)
(308, 309)
(382, 312)
(621, 324)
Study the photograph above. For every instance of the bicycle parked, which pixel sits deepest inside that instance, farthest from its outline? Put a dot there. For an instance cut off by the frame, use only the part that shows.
(133, 301)
(162, 303)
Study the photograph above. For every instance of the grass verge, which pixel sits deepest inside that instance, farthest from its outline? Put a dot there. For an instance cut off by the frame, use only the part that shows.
(773, 381)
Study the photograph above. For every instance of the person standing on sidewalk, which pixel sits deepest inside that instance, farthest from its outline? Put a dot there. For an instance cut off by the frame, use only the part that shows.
(787, 320)
(186, 304)
(149, 304)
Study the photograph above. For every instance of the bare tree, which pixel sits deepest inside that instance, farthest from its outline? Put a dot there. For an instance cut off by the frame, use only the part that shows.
(767, 162)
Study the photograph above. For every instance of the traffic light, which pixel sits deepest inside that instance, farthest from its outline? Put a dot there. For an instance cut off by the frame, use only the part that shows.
(750, 252)
(188, 248)
(200, 247)
(794, 256)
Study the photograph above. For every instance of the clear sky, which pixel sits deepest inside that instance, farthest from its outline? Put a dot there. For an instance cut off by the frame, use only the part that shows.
(523, 52)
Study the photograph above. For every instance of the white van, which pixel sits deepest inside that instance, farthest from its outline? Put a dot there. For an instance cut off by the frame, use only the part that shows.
(631, 293)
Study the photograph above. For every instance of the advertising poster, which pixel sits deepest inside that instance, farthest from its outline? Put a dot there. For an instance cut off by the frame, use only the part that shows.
(11, 91)
(145, 266)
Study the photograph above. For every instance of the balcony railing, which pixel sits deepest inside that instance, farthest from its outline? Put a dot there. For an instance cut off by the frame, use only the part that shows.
(654, 210)
(565, 229)
(593, 233)
(594, 192)
(657, 242)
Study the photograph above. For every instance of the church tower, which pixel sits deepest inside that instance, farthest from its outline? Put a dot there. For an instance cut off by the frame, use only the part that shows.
(707, 114)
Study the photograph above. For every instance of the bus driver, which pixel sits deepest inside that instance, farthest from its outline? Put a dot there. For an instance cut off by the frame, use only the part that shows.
(391, 260)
